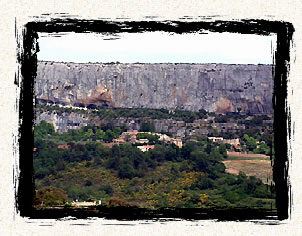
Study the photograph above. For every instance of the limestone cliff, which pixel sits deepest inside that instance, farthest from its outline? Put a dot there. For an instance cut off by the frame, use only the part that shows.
(214, 87)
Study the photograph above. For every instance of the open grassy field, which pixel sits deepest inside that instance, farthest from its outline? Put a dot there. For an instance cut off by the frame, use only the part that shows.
(248, 158)
(262, 169)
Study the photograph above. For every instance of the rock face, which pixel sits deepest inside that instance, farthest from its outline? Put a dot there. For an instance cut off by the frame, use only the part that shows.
(214, 87)
(63, 122)
(72, 120)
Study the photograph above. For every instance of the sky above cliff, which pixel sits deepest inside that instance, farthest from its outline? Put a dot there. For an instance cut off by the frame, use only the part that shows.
(158, 47)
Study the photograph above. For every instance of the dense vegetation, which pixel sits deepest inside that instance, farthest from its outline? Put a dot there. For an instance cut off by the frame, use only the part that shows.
(165, 176)
(187, 116)
(106, 133)
(254, 127)
(111, 113)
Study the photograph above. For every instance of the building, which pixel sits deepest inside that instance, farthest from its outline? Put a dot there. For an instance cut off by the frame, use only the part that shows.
(63, 146)
(235, 141)
(129, 136)
(118, 141)
(142, 141)
(163, 137)
(145, 148)
(215, 139)
(237, 146)
(177, 142)
(85, 204)
(129, 133)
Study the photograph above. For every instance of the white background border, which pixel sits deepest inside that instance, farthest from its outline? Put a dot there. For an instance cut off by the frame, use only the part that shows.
(21, 10)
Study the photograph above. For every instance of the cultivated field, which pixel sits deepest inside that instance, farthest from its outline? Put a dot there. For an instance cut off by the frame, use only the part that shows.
(262, 169)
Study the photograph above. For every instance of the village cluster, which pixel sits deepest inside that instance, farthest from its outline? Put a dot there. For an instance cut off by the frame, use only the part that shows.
(142, 144)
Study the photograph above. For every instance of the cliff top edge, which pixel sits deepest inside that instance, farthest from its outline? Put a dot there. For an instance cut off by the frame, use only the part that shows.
(141, 63)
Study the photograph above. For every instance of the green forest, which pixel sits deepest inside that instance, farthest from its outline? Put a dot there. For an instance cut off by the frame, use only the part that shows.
(165, 176)
(186, 116)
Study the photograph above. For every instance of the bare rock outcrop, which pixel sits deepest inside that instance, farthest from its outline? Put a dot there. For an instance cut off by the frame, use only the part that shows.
(214, 87)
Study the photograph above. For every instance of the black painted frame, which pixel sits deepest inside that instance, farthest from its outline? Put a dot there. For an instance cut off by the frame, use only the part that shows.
(27, 59)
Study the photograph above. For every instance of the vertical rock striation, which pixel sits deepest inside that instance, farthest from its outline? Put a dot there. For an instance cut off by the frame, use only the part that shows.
(214, 87)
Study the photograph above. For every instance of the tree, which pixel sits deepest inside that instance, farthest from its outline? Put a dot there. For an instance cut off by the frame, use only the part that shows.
(222, 150)
(267, 137)
(171, 154)
(263, 149)
(117, 131)
(251, 144)
(114, 161)
(50, 196)
(108, 125)
(158, 153)
(221, 119)
(88, 183)
(89, 134)
(201, 161)
(109, 136)
(215, 132)
(202, 113)
(126, 171)
(43, 129)
(152, 138)
(60, 165)
(187, 149)
(100, 134)
(147, 127)
(107, 189)
(127, 138)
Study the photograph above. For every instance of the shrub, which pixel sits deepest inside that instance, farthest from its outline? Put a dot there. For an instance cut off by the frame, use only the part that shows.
(50, 196)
